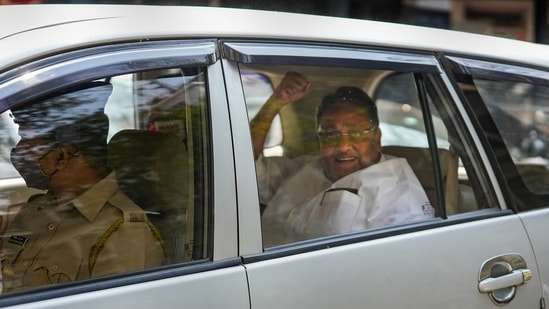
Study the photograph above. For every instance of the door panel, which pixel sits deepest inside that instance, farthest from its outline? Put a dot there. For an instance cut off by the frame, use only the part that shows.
(437, 268)
(536, 227)
(223, 288)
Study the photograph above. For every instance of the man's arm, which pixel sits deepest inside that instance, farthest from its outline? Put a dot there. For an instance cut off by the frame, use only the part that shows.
(292, 88)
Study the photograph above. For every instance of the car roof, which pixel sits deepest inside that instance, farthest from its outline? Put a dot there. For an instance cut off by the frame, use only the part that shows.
(55, 28)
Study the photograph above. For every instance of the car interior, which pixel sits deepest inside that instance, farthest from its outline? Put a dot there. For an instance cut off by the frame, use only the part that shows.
(156, 148)
(160, 164)
(401, 121)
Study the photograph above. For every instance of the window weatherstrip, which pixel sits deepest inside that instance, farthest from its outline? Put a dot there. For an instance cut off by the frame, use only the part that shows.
(492, 70)
(324, 55)
(32, 84)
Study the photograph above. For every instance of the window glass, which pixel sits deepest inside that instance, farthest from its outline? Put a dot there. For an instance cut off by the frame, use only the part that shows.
(401, 115)
(520, 111)
(332, 144)
(108, 177)
(8, 139)
(257, 89)
(400, 108)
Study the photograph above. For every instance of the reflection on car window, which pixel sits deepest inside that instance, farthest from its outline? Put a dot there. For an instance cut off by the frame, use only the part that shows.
(400, 110)
(109, 179)
(520, 112)
(8, 139)
(257, 89)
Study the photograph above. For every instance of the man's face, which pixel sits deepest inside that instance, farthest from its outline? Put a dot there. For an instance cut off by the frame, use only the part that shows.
(349, 141)
(35, 160)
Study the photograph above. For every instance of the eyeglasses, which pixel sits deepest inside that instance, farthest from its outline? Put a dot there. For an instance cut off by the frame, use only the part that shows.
(332, 137)
(45, 153)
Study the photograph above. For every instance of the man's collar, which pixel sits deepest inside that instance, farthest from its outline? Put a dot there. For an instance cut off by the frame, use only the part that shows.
(92, 201)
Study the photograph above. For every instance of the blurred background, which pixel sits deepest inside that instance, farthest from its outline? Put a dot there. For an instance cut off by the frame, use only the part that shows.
(517, 19)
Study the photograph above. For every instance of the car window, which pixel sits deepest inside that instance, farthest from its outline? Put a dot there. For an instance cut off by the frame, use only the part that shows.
(520, 112)
(511, 103)
(400, 109)
(300, 200)
(132, 149)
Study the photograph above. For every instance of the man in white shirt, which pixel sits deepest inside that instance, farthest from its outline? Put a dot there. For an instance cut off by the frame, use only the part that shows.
(351, 186)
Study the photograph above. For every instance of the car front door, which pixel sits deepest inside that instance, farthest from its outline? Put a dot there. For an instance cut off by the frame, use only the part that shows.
(170, 147)
(474, 252)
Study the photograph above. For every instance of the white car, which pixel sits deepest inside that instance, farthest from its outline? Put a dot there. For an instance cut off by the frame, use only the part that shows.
(469, 113)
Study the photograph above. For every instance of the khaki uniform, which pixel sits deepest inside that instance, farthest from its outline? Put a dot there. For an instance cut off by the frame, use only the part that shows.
(102, 232)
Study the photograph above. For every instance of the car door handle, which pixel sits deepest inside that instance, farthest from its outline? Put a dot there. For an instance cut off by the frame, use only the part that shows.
(514, 278)
(500, 276)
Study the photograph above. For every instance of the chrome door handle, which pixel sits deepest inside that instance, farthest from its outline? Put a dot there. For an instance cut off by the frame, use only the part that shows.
(500, 276)
(514, 278)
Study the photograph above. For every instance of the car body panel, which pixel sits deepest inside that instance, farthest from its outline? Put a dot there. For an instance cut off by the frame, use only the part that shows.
(193, 290)
(535, 223)
(195, 22)
(225, 223)
(248, 239)
(406, 275)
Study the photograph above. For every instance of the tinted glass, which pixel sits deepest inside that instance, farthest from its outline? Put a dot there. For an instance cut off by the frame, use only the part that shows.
(521, 113)
(105, 178)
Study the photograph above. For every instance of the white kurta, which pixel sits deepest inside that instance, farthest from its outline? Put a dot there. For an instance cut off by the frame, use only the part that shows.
(307, 205)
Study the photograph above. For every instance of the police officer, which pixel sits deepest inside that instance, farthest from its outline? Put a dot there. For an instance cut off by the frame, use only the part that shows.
(83, 226)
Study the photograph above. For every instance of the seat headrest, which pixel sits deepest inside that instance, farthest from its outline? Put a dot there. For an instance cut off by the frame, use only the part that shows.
(421, 162)
(420, 159)
(152, 168)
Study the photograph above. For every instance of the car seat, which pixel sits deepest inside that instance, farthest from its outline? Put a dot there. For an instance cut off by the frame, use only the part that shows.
(421, 162)
(154, 170)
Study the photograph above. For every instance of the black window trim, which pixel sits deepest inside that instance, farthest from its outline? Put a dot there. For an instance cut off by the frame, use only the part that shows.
(420, 83)
(491, 69)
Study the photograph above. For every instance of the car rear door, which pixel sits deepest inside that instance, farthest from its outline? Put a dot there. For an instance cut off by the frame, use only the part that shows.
(512, 101)
(475, 253)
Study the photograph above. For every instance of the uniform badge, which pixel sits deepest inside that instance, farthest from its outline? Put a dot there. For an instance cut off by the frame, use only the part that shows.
(18, 240)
